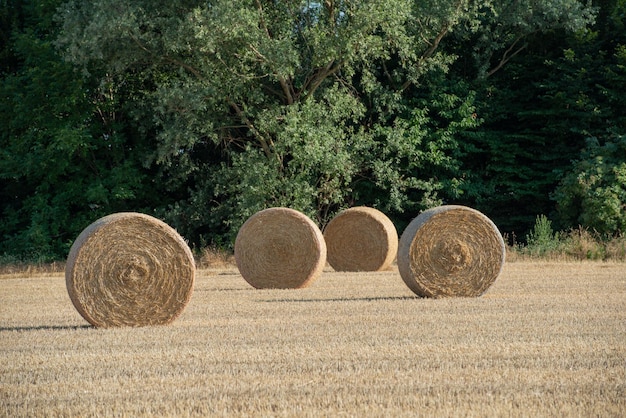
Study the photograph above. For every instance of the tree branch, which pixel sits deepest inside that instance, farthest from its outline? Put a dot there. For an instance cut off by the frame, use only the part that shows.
(318, 78)
(169, 59)
(430, 51)
(329, 5)
(284, 84)
(266, 144)
(506, 57)
(435, 43)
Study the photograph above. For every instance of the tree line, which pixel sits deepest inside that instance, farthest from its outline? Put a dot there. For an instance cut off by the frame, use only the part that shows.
(201, 113)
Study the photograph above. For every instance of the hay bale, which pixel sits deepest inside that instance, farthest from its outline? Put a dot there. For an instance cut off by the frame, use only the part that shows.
(450, 251)
(361, 239)
(129, 269)
(280, 248)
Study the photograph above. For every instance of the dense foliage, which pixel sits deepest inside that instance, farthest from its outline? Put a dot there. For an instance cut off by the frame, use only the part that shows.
(202, 113)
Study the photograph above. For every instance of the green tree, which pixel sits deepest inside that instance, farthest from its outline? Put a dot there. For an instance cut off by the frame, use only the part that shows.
(314, 105)
(534, 120)
(64, 160)
(593, 193)
(302, 99)
(504, 29)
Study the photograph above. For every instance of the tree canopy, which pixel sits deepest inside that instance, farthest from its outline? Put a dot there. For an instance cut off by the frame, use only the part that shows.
(203, 113)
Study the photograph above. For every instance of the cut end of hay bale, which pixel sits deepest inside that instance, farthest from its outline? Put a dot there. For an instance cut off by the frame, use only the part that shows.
(280, 248)
(129, 269)
(361, 239)
(450, 251)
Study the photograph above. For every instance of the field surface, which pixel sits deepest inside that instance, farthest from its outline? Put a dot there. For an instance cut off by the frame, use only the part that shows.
(547, 339)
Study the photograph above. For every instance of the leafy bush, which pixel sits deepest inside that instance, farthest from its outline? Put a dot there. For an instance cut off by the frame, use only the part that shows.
(580, 243)
(542, 239)
(593, 193)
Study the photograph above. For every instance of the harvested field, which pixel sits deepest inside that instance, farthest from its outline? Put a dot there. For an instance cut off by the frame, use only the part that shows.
(547, 339)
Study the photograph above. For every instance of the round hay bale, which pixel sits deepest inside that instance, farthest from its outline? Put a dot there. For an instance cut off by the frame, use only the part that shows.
(450, 251)
(129, 269)
(280, 248)
(361, 239)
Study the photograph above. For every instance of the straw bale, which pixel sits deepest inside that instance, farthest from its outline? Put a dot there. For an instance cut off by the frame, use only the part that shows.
(280, 248)
(129, 269)
(450, 251)
(361, 239)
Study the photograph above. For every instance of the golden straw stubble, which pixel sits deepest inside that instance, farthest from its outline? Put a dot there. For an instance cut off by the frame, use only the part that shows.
(450, 251)
(129, 269)
(361, 239)
(280, 248)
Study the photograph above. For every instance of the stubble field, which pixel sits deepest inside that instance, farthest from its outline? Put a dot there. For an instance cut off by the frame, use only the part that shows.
(548, 339)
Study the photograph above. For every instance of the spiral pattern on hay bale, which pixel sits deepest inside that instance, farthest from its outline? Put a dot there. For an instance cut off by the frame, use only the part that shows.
(280, 248)
(361, 239)
(129, 269)
(450, 251)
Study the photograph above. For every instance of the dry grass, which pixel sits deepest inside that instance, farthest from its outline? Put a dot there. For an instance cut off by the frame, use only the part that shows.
(214, 258)
(575, 244)
(547, 339)
(19, 269)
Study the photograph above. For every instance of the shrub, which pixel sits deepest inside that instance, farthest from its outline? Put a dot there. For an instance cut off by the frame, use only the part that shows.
(542, 239)
(593, 194)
